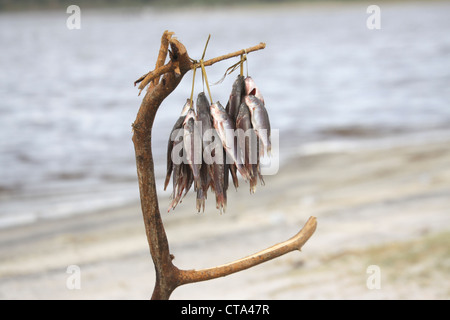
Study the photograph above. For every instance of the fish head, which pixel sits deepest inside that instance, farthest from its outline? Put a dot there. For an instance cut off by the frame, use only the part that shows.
(252, 102)
(251, 89)
(187, 106)
(202, 103)
(189, 115)
(249, 85)
(238, 85)
(217, 110)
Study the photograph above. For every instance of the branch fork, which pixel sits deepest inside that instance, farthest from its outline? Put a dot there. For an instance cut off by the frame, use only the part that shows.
(161, 82)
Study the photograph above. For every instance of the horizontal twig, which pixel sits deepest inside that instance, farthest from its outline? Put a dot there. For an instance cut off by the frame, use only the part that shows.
(210, 62)
(145, 79)
(294, 243)
(148, 77)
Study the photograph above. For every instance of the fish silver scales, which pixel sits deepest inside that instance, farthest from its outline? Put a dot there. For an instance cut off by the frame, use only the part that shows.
(193, 146)
(206, 171)
(225, 128)
(232, 108)
(260, 122)
(248, 145)
(173, 134)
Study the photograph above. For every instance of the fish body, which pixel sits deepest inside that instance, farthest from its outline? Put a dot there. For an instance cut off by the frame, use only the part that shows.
(260, 121)
(219, 172)
(203, 112)
(222, 122)
(236, 96)
(225, 129)
(182, 173)
(248, 145)
(232, 108)
(219, 185)
(192, 142)
(234, 134)
(177, 126)
(206, 171)
(243, 122)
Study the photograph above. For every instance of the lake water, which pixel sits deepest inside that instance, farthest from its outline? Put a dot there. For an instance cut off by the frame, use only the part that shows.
(67, 99)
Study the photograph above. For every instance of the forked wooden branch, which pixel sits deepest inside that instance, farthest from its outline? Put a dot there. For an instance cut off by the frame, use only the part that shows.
(168, 276)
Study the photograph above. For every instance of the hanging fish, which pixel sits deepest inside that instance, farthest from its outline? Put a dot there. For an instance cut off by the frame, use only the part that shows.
(177, 126)
(219, 183)
(259, 116)
(234, 133)
(206, 171)
(260, 122)
(181, 174)
(248, 145)
(225, 129)
(244, 124)
(193, 148)
(236, 97)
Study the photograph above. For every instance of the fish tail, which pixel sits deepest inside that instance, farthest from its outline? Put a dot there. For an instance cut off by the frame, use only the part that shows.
(200, 202)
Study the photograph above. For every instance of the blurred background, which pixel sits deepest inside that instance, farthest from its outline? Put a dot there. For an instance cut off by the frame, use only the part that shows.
(331, 84)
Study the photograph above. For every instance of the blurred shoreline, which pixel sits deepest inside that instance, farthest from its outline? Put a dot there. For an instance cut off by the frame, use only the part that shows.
(55, 203)
(68, 146)
(364, 200)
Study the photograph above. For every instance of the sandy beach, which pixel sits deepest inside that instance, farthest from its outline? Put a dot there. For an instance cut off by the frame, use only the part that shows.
(386, 206)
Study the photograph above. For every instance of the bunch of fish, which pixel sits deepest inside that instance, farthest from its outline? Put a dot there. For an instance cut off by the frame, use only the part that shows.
(210, 143)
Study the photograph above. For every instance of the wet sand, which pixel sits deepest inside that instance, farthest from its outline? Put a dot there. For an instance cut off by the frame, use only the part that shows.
(387, 206)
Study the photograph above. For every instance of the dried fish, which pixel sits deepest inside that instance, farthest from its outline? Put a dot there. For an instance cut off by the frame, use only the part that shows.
(206, 171)
(177, 126)
(248, 145)
(260, 121)
(225, 129)
(236, 97)
(206, 144)
(193, 148)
